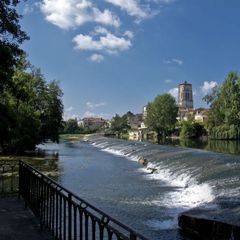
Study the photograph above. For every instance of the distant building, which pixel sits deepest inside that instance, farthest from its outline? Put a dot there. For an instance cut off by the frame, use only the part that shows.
(94, 122)
(80, 123)
(201, 115)
(134, 120)
(185, 100)
(185, 95)
(144, 112)
(134, 135)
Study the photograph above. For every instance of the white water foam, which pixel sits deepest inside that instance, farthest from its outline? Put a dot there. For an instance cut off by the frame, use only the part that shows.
(187, 194)
(162, 225)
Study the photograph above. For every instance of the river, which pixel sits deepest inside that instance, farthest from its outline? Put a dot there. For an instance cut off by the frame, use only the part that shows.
(106, 173)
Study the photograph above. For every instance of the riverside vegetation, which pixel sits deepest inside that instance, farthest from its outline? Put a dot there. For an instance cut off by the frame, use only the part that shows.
(30, 107)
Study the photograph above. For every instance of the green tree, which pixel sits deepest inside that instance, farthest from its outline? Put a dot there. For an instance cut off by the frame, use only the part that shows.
(32, 111)
(11, 36)
(162, 114)
(191, 129)
(71, 126)
(119, 124)
(224, 116)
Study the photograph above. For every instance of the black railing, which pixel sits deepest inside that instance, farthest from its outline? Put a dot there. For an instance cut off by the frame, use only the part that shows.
(8, 176)
(66, 215)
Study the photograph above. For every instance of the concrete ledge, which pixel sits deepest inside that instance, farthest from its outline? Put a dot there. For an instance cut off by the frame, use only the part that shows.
(214, 224)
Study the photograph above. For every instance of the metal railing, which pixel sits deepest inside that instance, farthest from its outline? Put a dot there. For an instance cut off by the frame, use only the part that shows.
(66, 215)
(8, 176)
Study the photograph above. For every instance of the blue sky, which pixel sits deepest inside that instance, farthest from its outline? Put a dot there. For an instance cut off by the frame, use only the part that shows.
(112, 56)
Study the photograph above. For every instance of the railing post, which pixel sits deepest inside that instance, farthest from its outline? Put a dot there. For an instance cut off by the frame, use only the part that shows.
(133, 236)
(19, 179)
(69, 216)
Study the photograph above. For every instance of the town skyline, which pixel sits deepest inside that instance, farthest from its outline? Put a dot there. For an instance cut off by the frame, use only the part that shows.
(111, 58)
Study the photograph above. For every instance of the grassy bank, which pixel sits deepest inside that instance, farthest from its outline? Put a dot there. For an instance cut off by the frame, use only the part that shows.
(71, 137)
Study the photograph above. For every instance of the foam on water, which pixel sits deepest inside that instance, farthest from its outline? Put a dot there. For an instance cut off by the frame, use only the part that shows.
(163, 225)
(186, 192)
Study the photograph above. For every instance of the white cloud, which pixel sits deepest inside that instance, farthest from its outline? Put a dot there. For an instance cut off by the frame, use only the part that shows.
(168, 81)
(100, 30)
(93, 114)
(67, 116)
(89, 114)
(91, 105)
(108, 43)
(208, 86)
(174, 93)
(72, 13)
(174, 61)
(132, 7)
(28, 8)
(129, 34)
(96, 58)
(163, 1)
(69, 109)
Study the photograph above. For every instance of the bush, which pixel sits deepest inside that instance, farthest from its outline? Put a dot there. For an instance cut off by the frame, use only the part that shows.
(191, 129)
(225, 132)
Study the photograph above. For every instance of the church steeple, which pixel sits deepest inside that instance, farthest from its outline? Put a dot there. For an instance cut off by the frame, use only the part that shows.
(185, 95)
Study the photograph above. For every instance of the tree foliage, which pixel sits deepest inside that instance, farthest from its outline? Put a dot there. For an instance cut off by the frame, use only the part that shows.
(31, 111)
(224, 117)
(30, 108)
(191, 129)
(11, 35)
(119, 124)
(71, 126)
(162, 114)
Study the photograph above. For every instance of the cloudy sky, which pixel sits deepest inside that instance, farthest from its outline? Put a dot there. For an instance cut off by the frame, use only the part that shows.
(112, 56)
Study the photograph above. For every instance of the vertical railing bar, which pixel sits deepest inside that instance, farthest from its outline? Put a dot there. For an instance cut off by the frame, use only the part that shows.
(93, 228)
(81, 224)
(64, 219)
(50, 210)
(86, 225)
(75, 221)
(70, 216)
(47, 199)
(57, 216)
(53, 210)
(60, 218)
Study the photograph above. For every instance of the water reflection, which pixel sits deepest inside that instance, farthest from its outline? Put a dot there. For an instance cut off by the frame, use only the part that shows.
(223, 146)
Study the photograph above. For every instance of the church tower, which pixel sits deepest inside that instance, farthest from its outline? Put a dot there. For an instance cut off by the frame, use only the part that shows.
(185, 95)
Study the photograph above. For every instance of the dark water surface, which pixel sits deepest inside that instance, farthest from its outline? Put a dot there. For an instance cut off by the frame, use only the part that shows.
(223, 146)
(106, 173)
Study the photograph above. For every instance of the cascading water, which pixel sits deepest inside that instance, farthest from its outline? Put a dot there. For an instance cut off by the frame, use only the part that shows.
(192, 178)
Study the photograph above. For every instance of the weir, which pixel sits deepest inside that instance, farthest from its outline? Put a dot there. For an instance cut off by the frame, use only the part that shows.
(203, 197)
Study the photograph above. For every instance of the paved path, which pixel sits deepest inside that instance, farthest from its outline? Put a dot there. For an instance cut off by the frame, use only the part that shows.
(18, 223)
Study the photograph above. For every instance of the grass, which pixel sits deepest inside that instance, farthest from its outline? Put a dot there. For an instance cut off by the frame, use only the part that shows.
(71, 137)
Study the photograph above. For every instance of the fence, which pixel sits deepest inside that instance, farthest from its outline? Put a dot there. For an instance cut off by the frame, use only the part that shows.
(66, 215)
(8, 176)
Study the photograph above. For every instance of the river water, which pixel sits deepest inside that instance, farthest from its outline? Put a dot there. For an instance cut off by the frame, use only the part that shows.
(106, 173)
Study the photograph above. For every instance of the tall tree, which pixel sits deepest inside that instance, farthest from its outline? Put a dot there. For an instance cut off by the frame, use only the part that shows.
(161, 114)
(224, 116)
(11, 36)
(119, 124)
(71, 126)
(32, 111)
